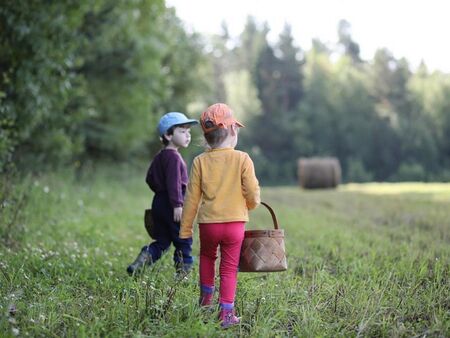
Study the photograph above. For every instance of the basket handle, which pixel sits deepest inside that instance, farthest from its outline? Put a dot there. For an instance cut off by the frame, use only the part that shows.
(274, 218)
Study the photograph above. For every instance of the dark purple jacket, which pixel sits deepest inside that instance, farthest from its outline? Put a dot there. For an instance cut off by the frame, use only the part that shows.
(168, 173)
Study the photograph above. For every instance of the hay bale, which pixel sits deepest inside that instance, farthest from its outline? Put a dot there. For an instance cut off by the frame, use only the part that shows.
(319, 172)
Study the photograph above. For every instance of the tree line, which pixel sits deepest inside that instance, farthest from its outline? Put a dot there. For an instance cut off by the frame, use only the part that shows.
(83, 80)
(87, 82)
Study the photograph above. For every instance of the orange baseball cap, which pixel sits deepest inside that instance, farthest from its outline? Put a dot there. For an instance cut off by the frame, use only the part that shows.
(219, 115)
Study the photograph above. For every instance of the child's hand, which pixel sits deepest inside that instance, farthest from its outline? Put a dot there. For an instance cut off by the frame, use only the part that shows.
(177, 214)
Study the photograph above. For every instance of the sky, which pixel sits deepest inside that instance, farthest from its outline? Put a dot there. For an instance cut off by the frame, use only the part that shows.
(415, 29)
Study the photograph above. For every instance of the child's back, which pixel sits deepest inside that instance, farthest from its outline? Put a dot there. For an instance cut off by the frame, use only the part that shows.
(228, 187)
(222, 188)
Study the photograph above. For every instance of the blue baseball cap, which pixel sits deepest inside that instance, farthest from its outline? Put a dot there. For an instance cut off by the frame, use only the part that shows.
(173, 119)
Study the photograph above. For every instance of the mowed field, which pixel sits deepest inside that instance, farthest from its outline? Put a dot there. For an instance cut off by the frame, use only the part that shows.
(369, 260)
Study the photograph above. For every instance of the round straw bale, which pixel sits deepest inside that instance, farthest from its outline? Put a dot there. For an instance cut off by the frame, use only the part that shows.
(319, 172)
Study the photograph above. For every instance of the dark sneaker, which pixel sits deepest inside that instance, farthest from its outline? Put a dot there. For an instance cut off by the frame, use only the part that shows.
(183, 269)
(141, 260)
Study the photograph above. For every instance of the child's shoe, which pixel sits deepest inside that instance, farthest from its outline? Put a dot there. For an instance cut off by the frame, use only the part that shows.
(228, 318)
(182, 270)
(141, 260)
(206, 295)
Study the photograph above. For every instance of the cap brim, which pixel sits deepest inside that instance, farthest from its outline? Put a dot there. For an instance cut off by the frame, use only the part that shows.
(239, 124)
(231, 121)
(189, 121)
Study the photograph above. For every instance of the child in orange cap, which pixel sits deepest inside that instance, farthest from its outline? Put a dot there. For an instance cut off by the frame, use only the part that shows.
(222, 189)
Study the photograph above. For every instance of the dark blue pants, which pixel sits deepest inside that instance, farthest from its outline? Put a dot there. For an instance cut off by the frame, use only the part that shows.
(167, 232)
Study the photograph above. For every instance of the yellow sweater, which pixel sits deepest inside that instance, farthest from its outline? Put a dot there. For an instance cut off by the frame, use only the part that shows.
(223, 182)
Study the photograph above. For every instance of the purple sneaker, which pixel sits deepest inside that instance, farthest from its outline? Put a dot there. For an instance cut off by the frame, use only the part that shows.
(228, 318)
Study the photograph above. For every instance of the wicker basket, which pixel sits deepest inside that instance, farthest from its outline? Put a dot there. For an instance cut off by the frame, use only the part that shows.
(263, 250)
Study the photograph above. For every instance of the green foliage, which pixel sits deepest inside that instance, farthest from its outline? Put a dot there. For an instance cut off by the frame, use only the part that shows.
(356, 172)
(290, 72)
(81, 80)
(278, 80)
(122, 66)
(140, 67)
(253, 39)
(242, 95)
(413, 172)
(353, 268)
(13, 202)
(358, 129)
(350, 47)
(38, 52)
(377, 114)
(431, 106)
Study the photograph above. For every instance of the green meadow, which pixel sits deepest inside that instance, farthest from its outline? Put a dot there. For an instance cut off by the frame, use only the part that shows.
(370, 260)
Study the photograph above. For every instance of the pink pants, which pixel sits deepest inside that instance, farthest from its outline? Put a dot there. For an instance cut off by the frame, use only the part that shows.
(229, 236)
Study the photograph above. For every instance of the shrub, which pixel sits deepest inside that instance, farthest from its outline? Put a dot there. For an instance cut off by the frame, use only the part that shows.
(410, 172)
(356, 172)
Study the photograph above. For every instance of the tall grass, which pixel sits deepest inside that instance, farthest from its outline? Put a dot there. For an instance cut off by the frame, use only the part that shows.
(362, 262)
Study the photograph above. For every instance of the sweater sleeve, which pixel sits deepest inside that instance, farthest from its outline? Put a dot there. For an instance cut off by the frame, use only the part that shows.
(191, 202)
(173, 180)
(250, 184)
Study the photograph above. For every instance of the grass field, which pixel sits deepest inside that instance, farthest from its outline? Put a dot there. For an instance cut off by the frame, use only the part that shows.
(369, 260)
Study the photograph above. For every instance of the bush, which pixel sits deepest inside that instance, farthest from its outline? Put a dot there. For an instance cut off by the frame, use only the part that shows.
(410, 172)
(356, 172)
(88, 80)
(38, 81)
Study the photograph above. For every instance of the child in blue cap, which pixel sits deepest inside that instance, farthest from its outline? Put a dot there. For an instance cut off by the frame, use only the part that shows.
(167, 176)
